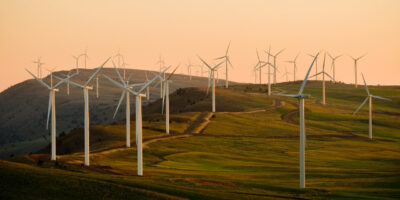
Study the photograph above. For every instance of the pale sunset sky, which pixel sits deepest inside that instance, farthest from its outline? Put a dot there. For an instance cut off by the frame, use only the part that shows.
(180, 30)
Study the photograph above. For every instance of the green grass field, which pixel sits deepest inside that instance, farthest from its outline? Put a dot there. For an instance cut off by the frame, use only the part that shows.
(248, 150)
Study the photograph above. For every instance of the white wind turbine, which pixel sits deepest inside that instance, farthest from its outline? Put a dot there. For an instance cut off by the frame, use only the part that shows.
(300, 96)
(286, 74)
(294, 66)
(369, 97)
(68, 77)
(227, 61)
(52, 108)
(211, 79)
(269, 70)
(260, 64)
(77, 63)
(189, 69)
(162, 65)
(148, 88)
(316, 65)
(323, 72)
(138, 113)
(165, 99)
(86, 89)
(275, 57)
(355, 68)
(333, 67)
(85, 57)
(39, 67)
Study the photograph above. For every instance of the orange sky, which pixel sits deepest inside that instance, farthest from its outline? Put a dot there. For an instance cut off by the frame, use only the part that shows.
(179, 30)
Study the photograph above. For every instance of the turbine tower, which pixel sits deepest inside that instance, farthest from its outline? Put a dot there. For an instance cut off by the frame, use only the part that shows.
(369, 97)
(275, 68)
(77, 63)
(138, 113)
(211, 79)
(260, 64)
(323, 80)
(86, 89)
(39, 67)
(300, 96)
(52, 108)
(294, 66)
(333, 58)
(227, 61)
(355, 68)
(269, 70)
(162, 65)
(189, 69)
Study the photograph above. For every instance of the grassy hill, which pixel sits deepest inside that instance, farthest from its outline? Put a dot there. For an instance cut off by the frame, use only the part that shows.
(23, 107)
(247, 150)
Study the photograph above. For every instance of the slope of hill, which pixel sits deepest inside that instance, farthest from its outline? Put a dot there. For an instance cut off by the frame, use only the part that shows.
(23, 107)
(248, 151)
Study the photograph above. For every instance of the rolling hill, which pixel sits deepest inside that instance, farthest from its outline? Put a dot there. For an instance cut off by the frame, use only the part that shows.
(248, 149)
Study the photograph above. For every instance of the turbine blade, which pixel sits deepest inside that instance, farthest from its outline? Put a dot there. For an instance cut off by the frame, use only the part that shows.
(382, 98)
(365, 101)
(163, 98)
(97, 71)
(119, 85)
(216, 66)
(39, 80)
(119, 74)
(279, 52)
(49, 109)
(171, 74)
(205, 62)
(229, 61)
(329, 76)
(219, 58)
(308, 73)
(119, 103)
(63, 80)
(290, 95)
(365, 83)
(227, 49)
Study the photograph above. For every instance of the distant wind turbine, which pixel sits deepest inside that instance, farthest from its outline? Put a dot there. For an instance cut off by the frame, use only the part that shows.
(52, 108)
(39, 67)
(355, 68)
(211, 80)
(269, 70)
(323, 72)
(275, 57)
(286, 74)
(294, 66)
(369, 97)
(138, 113)
(76, 63)
(85, 57)
(227, 61)
(333, 67)
(300, 96)
(260, 64)
(86, 89)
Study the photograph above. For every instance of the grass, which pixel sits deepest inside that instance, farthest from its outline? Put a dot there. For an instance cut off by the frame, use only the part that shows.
(239, 155)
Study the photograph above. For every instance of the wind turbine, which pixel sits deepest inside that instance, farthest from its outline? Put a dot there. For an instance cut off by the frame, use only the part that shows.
(260, 64)
(212, 78)
(369, 97)
(162, 65)
(86, 89)
(269, 70)
(355, 68)
(52, 108)
(68, 77)
(333, 64)
(300, 96)
(275, 68)
(227, 60)
(165, 100)
(138, 113)
(316, 65)
(77, 63)
(189, 69)
(286, 74)
(323, 79)
(85, 56)
(39, 67)
(294, 66)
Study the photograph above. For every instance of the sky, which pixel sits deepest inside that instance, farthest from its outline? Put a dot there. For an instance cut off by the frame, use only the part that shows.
(180, 30)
